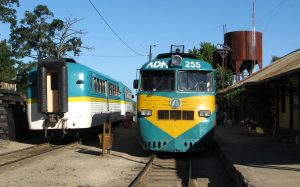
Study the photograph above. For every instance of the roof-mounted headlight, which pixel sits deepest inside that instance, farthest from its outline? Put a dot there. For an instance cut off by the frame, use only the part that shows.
(176, 60)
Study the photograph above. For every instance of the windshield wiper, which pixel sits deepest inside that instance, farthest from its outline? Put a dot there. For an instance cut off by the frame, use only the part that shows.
(151, 92)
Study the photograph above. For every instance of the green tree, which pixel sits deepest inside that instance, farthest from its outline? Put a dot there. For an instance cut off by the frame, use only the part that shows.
(7, 12)
(7, 70)
(22, 71)
(67, 40)
(228, 77)
(205, 52)
(39, 35)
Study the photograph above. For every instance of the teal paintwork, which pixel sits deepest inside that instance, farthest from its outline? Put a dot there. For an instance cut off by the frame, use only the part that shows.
(122, 91)
(75, 72)
(165, 64)
(31, 90)
(150, 133)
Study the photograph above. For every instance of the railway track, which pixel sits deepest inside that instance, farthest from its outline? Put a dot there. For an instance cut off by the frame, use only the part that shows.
(165, 172)
(22, 154)
(186, 170)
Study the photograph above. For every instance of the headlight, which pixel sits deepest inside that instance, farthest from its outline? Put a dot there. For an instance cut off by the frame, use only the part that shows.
(145, 112)
(176, 60)
(204, 113)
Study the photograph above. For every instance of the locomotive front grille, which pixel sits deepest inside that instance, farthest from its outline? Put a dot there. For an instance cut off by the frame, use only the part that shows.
(175, 115)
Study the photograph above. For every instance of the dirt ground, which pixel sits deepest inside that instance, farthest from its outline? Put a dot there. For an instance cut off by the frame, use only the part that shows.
(79, 165)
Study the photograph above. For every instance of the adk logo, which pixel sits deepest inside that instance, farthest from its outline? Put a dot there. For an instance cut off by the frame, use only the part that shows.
(175, 103)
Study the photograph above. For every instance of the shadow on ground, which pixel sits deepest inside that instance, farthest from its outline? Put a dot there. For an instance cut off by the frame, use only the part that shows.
(125, 140)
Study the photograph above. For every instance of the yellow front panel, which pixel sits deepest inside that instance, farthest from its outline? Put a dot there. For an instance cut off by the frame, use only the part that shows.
(176, 127)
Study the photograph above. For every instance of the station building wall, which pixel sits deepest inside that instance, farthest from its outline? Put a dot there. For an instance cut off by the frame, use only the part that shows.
(284, 104)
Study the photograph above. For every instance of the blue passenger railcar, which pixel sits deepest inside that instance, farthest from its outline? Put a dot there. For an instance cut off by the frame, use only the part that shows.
(63, 94)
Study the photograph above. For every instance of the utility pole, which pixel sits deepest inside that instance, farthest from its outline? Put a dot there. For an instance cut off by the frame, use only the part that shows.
(253, 37)
(150, 51)
(223, 52)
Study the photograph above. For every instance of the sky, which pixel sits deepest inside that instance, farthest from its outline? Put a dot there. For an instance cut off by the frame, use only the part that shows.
(141, 23)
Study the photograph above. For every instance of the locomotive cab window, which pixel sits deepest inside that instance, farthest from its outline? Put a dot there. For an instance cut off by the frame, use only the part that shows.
(157, 80)
(195, 81)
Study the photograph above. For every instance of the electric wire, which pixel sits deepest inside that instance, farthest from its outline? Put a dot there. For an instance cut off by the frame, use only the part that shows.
(114, 32)
(115, 56)
(270, 16)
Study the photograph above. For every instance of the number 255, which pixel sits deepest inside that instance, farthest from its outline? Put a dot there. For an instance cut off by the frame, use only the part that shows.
(192, 64)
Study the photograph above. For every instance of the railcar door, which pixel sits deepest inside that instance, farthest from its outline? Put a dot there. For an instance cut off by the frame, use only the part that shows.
(52, 91)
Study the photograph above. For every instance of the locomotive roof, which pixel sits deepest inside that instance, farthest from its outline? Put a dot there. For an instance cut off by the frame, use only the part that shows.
(189, 62)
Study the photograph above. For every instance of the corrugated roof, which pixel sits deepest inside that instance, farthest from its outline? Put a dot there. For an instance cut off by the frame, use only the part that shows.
(285, 65)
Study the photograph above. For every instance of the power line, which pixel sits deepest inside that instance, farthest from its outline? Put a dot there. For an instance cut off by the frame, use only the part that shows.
(112, 30)
(272, 14)
(271, 11)
(115, 56)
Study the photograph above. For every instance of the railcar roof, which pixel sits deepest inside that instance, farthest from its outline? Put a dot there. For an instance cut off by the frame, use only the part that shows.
(97, 72)
(72, 61)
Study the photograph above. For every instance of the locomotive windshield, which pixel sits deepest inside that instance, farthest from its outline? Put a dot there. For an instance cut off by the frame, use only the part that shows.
(194, 81)
(158, 80)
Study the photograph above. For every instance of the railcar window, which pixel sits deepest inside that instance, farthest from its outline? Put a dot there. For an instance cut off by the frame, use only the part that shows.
(95, 84)
(91, 83)
(113, 89)
(158, 80)
(118, 91)
(194, 81)
(128, 94)
(109, 88)
(99, 86)
(54, 81)
(102, 86)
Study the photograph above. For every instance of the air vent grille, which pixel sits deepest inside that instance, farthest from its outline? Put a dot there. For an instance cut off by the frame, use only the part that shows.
(175, 115)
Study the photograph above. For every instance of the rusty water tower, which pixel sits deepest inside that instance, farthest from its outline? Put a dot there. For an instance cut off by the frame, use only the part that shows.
(246, 51)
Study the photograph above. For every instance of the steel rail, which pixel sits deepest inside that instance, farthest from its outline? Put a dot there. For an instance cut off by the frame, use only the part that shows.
(20, 150)
(139, 180)
(28, 153)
